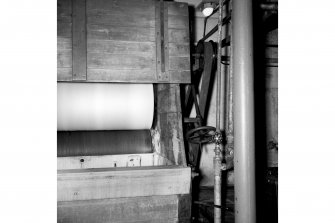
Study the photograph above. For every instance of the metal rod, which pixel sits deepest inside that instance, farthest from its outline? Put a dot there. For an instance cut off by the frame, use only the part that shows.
(244, 126)
(218, 64)
(217, 161)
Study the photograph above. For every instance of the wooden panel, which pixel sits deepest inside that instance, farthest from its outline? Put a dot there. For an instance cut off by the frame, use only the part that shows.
(177, 8)
(121, 42)
(138, 7)
(132, 76)
(79, 61)
(179, 63)
(111, 161)
(107, 32)
(64, 11)
(179, 49)
(64, 8)
(121, 47)
(119, 62)
(104, 183)
(155, 209)
(184, 207)
(64, 43)
(180, 76)
(179, 36)
(176, 49)
(120, 19)
(178, 22)
(126, 75)
(64, 58)
(64, 29)
(106, 161)
(64, 74)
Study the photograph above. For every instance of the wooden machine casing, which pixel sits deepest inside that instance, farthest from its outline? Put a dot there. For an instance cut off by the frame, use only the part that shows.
(127, 41)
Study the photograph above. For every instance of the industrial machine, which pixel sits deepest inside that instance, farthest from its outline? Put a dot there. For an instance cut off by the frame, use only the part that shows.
(120, 150)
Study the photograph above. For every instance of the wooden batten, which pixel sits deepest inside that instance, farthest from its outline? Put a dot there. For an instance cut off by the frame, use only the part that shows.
(143, 41)
(105, 183)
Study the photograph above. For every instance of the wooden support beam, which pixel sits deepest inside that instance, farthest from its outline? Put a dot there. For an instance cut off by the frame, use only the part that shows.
(103, 183)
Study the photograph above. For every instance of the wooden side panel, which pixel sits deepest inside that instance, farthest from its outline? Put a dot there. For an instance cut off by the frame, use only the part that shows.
(122, 41)
(88, 184)
(154, 209)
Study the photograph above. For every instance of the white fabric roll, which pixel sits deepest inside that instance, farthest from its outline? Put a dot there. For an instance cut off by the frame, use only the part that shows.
(104, 106)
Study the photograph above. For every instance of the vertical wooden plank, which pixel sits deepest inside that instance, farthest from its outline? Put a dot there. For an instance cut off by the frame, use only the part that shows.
(162, 43)
(158, 40)
(166, 43)
(79, 42)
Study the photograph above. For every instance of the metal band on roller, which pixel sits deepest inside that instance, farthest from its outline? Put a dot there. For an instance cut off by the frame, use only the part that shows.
(93, 143)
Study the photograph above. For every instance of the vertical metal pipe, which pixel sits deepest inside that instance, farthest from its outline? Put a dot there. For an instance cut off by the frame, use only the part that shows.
(244, 137)
(218, 84)
(217, 182)
(217, 161)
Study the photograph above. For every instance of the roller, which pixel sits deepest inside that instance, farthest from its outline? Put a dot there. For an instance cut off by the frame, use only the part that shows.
(104, 118)
(104, 106)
